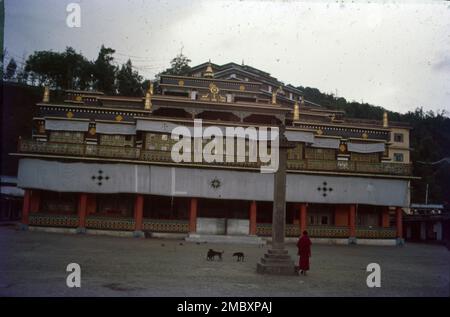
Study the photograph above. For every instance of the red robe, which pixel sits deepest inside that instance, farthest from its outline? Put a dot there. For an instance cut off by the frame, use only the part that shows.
(304, 250)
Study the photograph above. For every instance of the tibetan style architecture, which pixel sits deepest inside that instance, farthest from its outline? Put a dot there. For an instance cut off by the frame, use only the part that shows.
(104, 162)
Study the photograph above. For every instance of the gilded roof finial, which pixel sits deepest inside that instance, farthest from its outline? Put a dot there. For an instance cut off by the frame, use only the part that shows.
(296, 111)
(46, 97)
(385, 120)
(148, 97)
(209, 71)
(274, 95)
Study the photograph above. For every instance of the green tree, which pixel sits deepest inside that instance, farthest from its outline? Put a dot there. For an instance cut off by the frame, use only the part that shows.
(11, 69)
(67, 70)
(179, 65)
(104, 71)
(129, 81)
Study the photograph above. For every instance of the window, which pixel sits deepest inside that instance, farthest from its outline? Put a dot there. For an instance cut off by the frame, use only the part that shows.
(398, 157)
(324, 220)
(398, 137)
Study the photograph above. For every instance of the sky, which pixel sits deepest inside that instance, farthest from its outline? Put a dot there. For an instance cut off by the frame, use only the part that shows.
(394, 54)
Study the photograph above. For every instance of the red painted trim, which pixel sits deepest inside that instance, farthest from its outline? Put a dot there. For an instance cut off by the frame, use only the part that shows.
(138, 212)
(82, 204)
(399, 212)
(26, 207)
(193, 216)
(253, 211)
(303, 223)
(352, 220)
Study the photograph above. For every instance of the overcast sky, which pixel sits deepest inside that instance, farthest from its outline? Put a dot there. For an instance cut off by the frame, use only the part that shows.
(391, 54)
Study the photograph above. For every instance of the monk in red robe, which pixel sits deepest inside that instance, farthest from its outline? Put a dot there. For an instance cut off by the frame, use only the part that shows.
(304, 251)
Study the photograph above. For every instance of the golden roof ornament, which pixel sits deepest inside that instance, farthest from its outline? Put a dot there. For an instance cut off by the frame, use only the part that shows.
(275, 93)
(385, 120)
(46, 97)
(148, 97)
(296, 111)
(209, 71)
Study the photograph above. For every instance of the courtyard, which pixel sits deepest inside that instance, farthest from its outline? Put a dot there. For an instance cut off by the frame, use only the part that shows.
(34, 264)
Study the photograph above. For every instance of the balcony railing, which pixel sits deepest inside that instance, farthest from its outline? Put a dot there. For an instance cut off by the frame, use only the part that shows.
(133, 153)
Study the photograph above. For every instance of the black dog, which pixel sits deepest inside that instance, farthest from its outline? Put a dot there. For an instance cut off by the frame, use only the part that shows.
(240, 256)
(210, 256)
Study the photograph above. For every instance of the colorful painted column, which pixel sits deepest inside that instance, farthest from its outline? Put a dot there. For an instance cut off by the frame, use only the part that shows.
(26, 210)
(352, 224)
(302, 220)
(82, 204)
(138, 216)
(252, 229)
(399, 214)
(193, 216)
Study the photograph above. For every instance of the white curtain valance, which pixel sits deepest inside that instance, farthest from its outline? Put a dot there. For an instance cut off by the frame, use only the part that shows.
(326, 143)
(66, 125)
(115, 128)
(300, 136)
(365, 147)
(168, 127)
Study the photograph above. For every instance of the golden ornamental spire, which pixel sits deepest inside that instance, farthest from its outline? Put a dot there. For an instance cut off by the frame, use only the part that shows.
(296, 111)
(148, 98)
(274, 95)
(46, 97)
(385, 120)
(209, 71)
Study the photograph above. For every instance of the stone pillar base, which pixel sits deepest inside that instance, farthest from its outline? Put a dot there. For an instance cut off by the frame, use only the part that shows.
(276, 262)
(352, 240)
(81, 230)
(400, 242)
(23, 227)
(138, 234)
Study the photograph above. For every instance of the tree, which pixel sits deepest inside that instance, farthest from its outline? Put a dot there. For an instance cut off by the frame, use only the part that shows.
(11, 69)
(67, 70)
(129, 81)
(179, 66)
(105, 71)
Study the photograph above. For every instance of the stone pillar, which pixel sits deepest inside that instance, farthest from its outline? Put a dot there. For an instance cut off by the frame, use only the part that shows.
(26, 210)
(399, 216)
(82, 207)
(252, 229)
(277, 260)
(138, 216)
(352, 224)
(302, 220)
(193, 216)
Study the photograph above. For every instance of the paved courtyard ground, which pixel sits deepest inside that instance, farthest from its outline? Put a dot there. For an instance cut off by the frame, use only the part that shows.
(34, 264)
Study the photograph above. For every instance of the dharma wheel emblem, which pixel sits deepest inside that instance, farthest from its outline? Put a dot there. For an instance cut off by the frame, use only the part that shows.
(100, 178)
(215, 183)
(324, 189)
